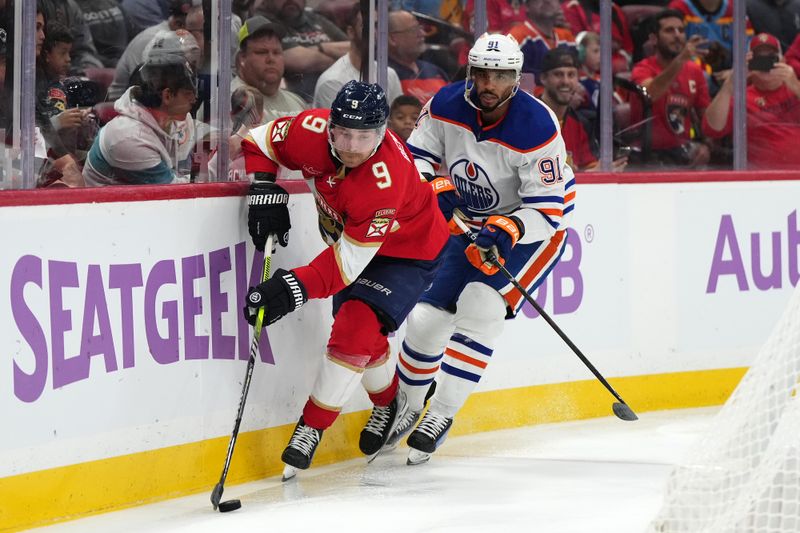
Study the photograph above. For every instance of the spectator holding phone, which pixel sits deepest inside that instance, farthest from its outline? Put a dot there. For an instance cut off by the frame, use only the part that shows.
(773, 108)
(678, 90)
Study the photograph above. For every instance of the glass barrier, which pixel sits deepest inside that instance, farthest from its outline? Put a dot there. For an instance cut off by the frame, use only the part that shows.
(125, 97)
(10, 160)
(100, 73)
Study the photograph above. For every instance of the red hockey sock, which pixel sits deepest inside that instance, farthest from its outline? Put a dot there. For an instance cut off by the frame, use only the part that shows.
(385, 397)
(318, 417)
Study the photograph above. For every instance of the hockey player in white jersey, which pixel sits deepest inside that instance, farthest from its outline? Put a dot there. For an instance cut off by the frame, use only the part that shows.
(508, 176)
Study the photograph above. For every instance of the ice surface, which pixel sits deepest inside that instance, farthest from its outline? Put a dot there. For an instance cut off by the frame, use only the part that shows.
(600, 475)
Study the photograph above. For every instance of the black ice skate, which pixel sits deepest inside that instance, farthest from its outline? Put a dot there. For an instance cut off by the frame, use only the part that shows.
(381, 423)
(428, 436)
(407, 422)
(300, 450)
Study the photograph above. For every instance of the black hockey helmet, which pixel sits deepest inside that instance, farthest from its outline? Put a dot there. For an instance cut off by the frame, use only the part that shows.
(360, 106)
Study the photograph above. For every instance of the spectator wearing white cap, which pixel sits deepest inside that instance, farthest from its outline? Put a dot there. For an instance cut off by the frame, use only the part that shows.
(185, 15)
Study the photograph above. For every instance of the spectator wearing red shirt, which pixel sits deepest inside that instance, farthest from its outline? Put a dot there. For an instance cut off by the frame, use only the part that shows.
(773, 109)
(677, 88)
(559, 78)
(584, 15)
(792, 57)
(500, 15)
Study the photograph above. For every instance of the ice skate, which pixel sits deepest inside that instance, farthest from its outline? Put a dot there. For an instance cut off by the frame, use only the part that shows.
(427, 437)
(407, 422)
(300, 450)
(380, 425)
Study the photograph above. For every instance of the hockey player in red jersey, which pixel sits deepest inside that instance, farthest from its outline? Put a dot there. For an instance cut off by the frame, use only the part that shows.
(385, 232)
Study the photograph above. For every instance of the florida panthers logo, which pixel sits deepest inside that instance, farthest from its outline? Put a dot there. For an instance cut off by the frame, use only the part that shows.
(474, 186)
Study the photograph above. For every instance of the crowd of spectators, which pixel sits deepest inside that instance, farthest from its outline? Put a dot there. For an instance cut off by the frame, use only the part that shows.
(123, 86)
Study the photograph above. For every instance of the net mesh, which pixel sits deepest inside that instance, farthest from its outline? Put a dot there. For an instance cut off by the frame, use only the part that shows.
(743, 474)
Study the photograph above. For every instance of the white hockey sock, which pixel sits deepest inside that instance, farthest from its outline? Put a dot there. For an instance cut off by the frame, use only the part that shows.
(427, 333)
(463, 366)
(479, 322)
(337, 380)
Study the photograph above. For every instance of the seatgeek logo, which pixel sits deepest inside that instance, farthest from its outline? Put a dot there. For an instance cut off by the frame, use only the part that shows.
(79, 319)
(562, 290)
(474, 186)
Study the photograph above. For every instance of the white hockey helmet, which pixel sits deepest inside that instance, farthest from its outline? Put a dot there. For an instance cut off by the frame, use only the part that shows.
(494, 51)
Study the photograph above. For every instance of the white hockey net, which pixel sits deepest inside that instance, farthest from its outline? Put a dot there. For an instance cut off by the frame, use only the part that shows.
(743, 474)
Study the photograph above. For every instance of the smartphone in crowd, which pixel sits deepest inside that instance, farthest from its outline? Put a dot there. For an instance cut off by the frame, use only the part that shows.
(762, 63)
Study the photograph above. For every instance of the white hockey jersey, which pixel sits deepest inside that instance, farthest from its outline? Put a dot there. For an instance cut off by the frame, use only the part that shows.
(516, 166)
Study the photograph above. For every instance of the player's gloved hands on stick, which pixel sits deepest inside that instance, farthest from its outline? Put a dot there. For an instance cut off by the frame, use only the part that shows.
(448, 198)
(268, 213)
(495, 240)
(279, 295)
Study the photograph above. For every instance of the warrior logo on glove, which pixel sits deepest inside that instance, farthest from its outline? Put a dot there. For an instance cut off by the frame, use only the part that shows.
(268, 213)
(279, 295)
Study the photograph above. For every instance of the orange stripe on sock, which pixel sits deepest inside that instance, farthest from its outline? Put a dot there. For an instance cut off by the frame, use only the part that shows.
(418, 370)
(463, 357)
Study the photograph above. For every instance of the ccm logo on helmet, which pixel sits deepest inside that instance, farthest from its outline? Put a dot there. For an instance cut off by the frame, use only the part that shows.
(345, 115)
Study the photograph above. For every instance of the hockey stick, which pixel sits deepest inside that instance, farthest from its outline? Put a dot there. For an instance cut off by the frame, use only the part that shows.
(216, 494)
(620, 408)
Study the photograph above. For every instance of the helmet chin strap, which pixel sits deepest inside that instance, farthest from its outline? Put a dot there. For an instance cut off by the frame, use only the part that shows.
(469, 85)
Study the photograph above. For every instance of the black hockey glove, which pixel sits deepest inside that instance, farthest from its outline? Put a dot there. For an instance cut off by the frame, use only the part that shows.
(267, 213)
(279, 295)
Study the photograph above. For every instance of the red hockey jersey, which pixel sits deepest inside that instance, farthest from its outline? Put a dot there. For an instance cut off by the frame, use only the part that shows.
(382, 207)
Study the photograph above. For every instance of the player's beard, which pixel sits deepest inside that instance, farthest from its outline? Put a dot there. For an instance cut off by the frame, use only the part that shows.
(489, 109)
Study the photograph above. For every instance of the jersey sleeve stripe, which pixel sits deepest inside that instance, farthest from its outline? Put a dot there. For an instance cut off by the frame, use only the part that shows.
(550, 211)
(569, 209)
(544, 200)
(569, 197)
(424, 154)
(549, 220)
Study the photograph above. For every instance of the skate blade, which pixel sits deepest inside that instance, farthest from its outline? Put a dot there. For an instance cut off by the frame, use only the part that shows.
(416, 457)
(386, 449)
(289, 472)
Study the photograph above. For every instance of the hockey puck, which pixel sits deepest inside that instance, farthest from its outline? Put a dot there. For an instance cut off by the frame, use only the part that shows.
(230, 505)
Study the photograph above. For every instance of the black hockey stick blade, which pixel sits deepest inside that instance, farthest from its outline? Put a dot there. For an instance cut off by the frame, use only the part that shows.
(624, 412)
(216, 495)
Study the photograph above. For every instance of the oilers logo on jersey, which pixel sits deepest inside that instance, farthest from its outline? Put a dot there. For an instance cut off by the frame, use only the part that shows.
(474, 186)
